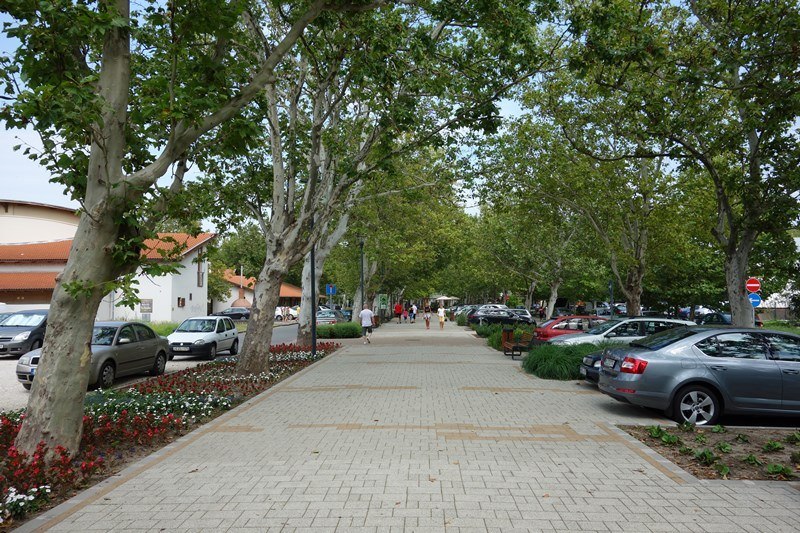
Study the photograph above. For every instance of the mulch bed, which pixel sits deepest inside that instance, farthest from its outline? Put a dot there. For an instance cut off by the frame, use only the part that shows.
(726, 453)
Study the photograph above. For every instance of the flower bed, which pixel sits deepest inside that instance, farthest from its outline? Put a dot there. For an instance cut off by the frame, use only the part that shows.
(120, 424)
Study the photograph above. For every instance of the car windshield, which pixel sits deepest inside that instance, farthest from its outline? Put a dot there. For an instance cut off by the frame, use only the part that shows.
(662, 339)
(103, 335)
(197, 325)
(23, 320)
(602, 328)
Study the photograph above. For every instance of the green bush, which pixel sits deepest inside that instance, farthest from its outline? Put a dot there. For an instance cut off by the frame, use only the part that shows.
(344, 330)
(549, 361)
(461, 319)
(487, 330)
(163, 328)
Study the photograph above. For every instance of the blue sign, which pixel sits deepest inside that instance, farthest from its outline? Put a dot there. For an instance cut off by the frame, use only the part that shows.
(330, 289)
(755, 299)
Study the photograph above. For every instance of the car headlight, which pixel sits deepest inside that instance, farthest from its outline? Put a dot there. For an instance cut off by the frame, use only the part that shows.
(200, 341)
(24, 360)
(22, 336)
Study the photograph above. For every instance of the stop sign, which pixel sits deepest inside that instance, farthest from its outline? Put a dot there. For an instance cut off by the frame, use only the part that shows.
(752, 285)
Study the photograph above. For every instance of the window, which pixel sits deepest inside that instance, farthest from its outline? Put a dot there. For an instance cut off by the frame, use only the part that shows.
(126, 332)
(143, 332)
(220, 326)
(734, 346)
(229, 324)
(784, 347)
(628, 329)
(200, 273)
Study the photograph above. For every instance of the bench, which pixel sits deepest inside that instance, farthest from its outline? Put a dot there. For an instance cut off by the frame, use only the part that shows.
(516, 348)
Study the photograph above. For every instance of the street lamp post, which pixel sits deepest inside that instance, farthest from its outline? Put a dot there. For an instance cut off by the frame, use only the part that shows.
(363, 296)
(313, 299)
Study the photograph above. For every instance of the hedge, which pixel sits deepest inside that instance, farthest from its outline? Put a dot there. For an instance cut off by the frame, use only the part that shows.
(550, 361)
(343, 330)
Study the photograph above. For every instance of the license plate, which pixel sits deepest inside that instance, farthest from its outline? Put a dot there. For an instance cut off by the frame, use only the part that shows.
(180, 348)
(608, 363)
(33, 371)
(583, 371)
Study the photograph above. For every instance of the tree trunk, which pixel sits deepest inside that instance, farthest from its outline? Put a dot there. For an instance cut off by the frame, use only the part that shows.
(529, 295)
(254, 357)
(551, 301)
(55, 408)
(736, 263)
(307, 306)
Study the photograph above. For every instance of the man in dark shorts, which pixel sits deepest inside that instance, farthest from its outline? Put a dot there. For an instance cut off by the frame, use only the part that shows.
(398, 311)
(367, 321)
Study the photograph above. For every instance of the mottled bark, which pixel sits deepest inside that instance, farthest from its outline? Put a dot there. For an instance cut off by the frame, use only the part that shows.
(551, 300)
(254, 356)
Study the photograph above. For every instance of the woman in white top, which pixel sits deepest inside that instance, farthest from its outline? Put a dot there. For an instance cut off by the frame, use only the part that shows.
(440, 312)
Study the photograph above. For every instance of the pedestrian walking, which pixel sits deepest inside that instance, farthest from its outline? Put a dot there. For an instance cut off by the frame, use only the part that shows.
(398, 311)
(405, 315)
(413, 314)
(426, 314)
(367, 321)
(440, 312)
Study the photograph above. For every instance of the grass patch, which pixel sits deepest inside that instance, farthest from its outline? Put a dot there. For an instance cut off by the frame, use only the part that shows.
(163, 328)
(344, 330)
(782, 325)
(549, 361)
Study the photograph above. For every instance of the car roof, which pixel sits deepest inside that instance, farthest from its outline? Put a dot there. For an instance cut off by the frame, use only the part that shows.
(208, 317)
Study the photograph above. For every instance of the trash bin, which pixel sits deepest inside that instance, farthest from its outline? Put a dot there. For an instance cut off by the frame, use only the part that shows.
(507, 335)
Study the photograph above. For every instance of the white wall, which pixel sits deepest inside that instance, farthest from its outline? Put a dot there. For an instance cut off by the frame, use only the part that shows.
(232, 297)
(32, 223)
(164, 291)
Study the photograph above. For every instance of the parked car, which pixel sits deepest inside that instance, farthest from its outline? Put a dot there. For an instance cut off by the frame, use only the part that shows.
(566, 325)
(22, 331)
(590, 366)
(235, 313)
(699, 311)
(720, 319)
(204, 336)
(524, 313)
(498, 316)
(697, 374)
(118, 349)
(330, 316)
(622, 330)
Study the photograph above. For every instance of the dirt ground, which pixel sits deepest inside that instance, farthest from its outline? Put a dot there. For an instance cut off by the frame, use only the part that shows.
(727, 453)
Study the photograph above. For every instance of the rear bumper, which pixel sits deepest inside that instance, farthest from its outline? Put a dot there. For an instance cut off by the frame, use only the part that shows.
(621, 390)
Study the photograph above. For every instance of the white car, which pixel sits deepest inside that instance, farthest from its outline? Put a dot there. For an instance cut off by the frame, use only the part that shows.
(293, 313)
(204, 336)
(624, 330)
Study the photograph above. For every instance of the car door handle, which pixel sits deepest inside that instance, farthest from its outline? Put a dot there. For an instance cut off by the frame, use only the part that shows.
(790, 371)
(718, 367)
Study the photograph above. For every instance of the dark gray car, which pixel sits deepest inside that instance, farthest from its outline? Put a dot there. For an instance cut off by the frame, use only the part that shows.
(696, 374)
(22, 331)
(118, 349)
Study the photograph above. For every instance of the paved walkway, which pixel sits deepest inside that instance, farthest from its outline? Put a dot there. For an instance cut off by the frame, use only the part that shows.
(421, 431)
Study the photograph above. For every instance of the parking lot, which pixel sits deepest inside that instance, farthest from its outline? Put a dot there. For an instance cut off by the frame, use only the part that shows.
(14, 397)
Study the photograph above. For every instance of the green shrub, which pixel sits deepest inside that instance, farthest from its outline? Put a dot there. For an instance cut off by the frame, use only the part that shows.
(461, 319)
(487, 330)
(495, 340)
(550, 361)
(344, 330)
(163, 328)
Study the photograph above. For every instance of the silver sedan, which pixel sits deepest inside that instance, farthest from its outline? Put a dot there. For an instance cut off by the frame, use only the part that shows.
(695, 374)
(118, 349)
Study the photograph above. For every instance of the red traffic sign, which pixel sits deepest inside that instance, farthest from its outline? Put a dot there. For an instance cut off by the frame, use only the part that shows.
(752, 285)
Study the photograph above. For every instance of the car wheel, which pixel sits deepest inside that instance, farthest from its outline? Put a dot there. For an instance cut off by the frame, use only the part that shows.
(212, 352)
(234, 347)
(160, 364)
(697, 405)
(36, 345)
(278, 318)
(27, 386)
(106, 379)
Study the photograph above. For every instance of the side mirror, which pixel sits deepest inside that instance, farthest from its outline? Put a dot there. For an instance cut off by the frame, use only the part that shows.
(124, 340)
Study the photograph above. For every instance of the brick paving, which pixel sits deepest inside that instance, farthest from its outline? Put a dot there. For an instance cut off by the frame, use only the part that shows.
(427, 431)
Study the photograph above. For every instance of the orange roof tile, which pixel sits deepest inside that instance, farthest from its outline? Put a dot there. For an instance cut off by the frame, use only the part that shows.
(58, 251)
(287, 290)
(37, 252)
(24, 281)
